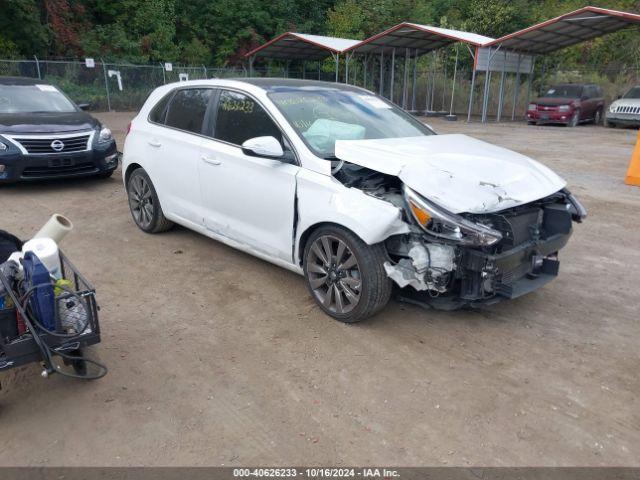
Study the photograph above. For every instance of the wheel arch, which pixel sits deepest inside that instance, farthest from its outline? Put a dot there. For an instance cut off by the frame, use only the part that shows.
(304, 238)
(130, 168)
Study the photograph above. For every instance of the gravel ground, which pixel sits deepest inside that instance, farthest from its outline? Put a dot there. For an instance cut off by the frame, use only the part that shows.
(218, 358)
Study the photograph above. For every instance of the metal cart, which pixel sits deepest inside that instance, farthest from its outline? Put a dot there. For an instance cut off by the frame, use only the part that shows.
(34, 344)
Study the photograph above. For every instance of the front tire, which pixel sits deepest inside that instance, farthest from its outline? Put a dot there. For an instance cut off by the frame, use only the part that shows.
(345, 276)
(575, 119)
(144, 203)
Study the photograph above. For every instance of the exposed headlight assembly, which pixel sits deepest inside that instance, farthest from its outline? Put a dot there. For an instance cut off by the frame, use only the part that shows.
(578, 211)
(105, 135)
(441, 224)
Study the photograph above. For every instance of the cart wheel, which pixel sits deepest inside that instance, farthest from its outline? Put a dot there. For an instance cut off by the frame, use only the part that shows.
(79, 366)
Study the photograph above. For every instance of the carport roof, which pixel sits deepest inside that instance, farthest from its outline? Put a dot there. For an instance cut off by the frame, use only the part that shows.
(302, 46)
(424, 38)
(566, 30)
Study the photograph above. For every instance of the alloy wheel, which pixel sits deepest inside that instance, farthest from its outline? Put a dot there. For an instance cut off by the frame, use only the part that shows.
(334, 274)
(141, 201)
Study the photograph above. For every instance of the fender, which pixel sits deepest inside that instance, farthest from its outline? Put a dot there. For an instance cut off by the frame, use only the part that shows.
(323, 199)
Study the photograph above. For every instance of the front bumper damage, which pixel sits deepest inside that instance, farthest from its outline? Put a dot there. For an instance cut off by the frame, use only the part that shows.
(448, 276)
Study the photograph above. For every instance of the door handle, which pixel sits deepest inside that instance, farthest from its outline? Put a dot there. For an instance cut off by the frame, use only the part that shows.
(154, 143)
(210, 161)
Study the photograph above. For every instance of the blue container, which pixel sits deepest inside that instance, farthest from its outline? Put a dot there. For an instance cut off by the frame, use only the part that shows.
(42, 300)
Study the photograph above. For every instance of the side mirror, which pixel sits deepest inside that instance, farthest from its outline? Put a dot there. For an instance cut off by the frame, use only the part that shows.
(619, 97)
(263, 147)
(84, 106)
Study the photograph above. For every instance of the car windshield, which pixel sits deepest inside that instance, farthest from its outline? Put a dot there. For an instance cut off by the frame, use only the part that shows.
(633, 93)
(564, 91)
(33, 99)
(323, 115)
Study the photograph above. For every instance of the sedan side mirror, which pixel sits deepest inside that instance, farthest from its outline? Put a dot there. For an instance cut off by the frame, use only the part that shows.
(263, 147)
(84, 106)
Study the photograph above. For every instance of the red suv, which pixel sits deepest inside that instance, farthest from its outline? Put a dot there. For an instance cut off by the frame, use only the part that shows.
(569, 104)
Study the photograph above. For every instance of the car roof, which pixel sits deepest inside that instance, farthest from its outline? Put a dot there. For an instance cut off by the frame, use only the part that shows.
(272, 84)
(21, 81)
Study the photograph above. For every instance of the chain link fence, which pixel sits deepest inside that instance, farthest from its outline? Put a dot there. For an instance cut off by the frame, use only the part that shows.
(110, 86)
(124, 87)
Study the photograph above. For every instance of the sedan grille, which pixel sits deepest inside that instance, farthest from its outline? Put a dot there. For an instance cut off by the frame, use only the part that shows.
(627, 109)
(54, 144)
(64, 169)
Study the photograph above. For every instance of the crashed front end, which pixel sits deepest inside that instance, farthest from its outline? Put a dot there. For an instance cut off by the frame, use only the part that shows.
(453, 260)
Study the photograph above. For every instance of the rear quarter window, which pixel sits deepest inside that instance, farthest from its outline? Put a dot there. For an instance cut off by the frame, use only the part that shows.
(158, 112)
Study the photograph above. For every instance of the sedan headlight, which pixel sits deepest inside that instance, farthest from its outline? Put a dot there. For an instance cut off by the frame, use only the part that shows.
(612, 108)
(105, 135)
(532, 106)
(564, 108)
(448, 226)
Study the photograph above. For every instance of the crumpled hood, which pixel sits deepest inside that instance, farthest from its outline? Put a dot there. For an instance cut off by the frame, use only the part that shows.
(457, 172)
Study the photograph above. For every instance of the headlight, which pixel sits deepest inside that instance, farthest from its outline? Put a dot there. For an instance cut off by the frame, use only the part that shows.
(578, 211)
(3, 147)
(564, 108)
(105, 135)
(447, 226)
(532, 106)
(612, 108)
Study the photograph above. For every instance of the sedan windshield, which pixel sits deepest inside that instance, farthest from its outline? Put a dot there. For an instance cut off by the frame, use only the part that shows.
(633, 93)
(565, 91)
(323, 115)
(33, 99)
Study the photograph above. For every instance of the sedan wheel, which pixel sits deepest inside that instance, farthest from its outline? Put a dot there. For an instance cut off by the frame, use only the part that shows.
(334, 275)
(144, 204)
(346, 276)
(141, 202)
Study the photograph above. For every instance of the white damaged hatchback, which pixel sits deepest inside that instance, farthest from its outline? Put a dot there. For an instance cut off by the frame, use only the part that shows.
(336, 183)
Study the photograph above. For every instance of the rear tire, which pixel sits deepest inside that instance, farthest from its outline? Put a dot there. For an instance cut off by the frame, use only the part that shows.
(345, 276)
(597, 117)
(144, 203)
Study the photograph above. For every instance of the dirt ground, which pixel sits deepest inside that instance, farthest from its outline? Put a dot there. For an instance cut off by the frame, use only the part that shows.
(218, 358)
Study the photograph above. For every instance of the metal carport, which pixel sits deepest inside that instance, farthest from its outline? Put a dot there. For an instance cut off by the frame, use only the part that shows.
(569, 29)
(409, 40)
(302, 46)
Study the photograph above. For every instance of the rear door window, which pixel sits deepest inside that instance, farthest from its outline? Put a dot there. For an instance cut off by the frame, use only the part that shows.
(240, 118)
(188, 108)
